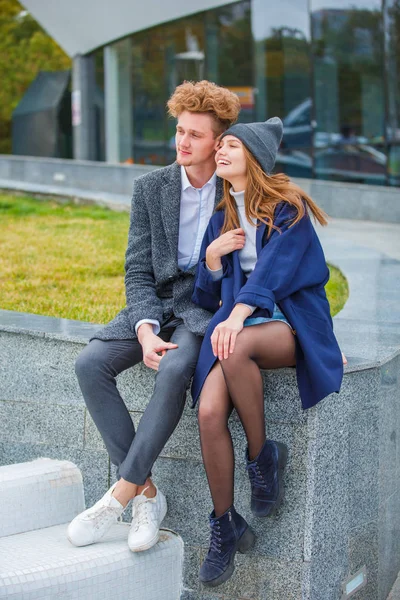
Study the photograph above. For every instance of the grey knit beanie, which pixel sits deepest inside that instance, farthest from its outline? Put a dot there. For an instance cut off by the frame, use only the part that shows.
(262, 139)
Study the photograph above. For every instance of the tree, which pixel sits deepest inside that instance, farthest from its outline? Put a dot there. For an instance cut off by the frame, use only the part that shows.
(25, 49)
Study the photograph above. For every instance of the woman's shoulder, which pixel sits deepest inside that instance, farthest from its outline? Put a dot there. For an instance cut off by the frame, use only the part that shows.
(287, 210)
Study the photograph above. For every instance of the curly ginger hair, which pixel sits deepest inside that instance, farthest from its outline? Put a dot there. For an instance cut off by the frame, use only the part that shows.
(206, 97)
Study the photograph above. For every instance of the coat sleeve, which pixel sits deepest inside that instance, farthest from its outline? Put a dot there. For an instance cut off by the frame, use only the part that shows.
(275, 275)
(140, 287)
(207, 291)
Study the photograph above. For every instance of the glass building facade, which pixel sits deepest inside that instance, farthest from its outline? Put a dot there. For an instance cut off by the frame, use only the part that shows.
(329, 68)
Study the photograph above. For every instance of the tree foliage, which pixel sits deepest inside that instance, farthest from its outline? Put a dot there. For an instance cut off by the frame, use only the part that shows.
(25, 49)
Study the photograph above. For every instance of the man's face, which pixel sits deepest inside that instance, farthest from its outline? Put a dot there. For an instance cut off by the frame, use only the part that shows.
(195, 139)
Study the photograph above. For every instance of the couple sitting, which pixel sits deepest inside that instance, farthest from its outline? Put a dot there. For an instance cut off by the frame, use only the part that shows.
(224, 275)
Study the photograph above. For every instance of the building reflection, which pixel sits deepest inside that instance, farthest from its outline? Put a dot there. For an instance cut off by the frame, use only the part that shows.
(331, 74)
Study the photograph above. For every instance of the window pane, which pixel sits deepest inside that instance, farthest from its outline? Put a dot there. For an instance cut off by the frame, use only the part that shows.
(229, 53)
(392, 27)
(283, 78)
(349, 140)
(149, 91)
(185, 60)
(99, 105)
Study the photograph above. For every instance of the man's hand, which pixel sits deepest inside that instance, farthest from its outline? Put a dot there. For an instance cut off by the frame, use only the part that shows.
(224, 244)
(154, 348)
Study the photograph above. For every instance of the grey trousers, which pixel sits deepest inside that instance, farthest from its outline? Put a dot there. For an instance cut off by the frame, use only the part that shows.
(97, 366)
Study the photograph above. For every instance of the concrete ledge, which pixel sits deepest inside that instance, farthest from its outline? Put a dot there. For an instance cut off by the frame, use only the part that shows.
(112, 185)
(355, 201)
(342, 503)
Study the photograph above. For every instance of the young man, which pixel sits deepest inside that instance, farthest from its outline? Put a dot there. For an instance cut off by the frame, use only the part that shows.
(171, 208)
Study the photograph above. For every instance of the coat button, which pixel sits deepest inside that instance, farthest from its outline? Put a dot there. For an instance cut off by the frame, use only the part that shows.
(220, 303)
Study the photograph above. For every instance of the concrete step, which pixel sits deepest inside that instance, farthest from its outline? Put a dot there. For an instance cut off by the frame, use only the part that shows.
(43, 565)
(40, 493)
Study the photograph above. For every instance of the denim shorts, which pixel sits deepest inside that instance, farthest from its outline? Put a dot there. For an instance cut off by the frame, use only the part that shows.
(277, 316)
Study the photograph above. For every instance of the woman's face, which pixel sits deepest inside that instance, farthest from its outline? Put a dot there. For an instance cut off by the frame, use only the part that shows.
(230, 159)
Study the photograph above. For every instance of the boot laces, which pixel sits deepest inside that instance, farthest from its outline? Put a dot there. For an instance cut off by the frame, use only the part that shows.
(257, 478)
(215, 537)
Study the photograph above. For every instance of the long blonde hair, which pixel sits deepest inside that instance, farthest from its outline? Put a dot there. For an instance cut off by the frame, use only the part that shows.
(262, 195)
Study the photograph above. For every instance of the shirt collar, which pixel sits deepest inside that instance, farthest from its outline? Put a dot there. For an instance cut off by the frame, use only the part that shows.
(186, 183)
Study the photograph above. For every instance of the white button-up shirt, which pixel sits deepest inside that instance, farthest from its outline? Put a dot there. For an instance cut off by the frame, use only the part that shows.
(197, 206)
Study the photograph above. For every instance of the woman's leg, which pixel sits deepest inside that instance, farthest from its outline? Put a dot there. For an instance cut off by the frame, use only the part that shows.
(215, 438)
(268, 346)
(229, 531)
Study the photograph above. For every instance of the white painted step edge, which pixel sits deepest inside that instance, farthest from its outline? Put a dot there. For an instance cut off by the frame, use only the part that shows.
(37, 494)
(43, 565)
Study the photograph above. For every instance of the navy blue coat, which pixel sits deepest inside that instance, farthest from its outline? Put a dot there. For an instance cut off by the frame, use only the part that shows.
(290, 271)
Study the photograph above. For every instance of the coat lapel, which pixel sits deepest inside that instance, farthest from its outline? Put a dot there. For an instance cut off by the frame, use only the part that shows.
(238, 278)
(170, 207)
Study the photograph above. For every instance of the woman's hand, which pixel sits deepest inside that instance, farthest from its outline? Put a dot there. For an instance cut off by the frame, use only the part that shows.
(224, 244)
(224, 336)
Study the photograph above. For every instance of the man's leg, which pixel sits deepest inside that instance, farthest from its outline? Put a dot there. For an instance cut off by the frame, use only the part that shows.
(96, 371)
(159, 420)
(165, 407)
(97, 367)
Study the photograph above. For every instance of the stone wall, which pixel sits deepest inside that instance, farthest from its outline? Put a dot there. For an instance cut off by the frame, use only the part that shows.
(342, 504)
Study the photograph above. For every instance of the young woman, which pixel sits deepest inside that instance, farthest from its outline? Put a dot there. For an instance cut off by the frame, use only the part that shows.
(262, 272)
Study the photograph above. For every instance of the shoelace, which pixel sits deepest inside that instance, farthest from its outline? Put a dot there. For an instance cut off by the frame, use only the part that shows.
(215, 537)
(257, 478)
(102, 515)
(141, 511)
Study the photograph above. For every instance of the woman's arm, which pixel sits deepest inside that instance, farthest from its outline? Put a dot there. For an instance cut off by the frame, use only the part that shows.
(207, 288)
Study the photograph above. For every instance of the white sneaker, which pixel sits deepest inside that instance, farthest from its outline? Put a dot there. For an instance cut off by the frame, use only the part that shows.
(147, 516)
(90, 526)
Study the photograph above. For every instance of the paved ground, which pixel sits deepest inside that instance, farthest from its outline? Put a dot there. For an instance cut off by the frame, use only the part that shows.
(383, 237)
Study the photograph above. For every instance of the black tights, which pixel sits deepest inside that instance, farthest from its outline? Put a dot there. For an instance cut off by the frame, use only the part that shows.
(236, 382)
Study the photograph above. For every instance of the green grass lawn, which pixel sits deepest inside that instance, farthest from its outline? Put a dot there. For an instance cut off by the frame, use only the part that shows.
(67, 260)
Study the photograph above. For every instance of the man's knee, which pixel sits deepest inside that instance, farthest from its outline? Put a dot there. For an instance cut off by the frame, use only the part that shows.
(90, 360)
(176, 369)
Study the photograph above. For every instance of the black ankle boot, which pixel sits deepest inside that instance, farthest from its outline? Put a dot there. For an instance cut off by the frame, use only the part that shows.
(229, 533)
(266, 478)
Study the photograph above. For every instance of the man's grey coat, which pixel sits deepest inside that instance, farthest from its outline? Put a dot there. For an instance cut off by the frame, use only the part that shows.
(155, 287)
